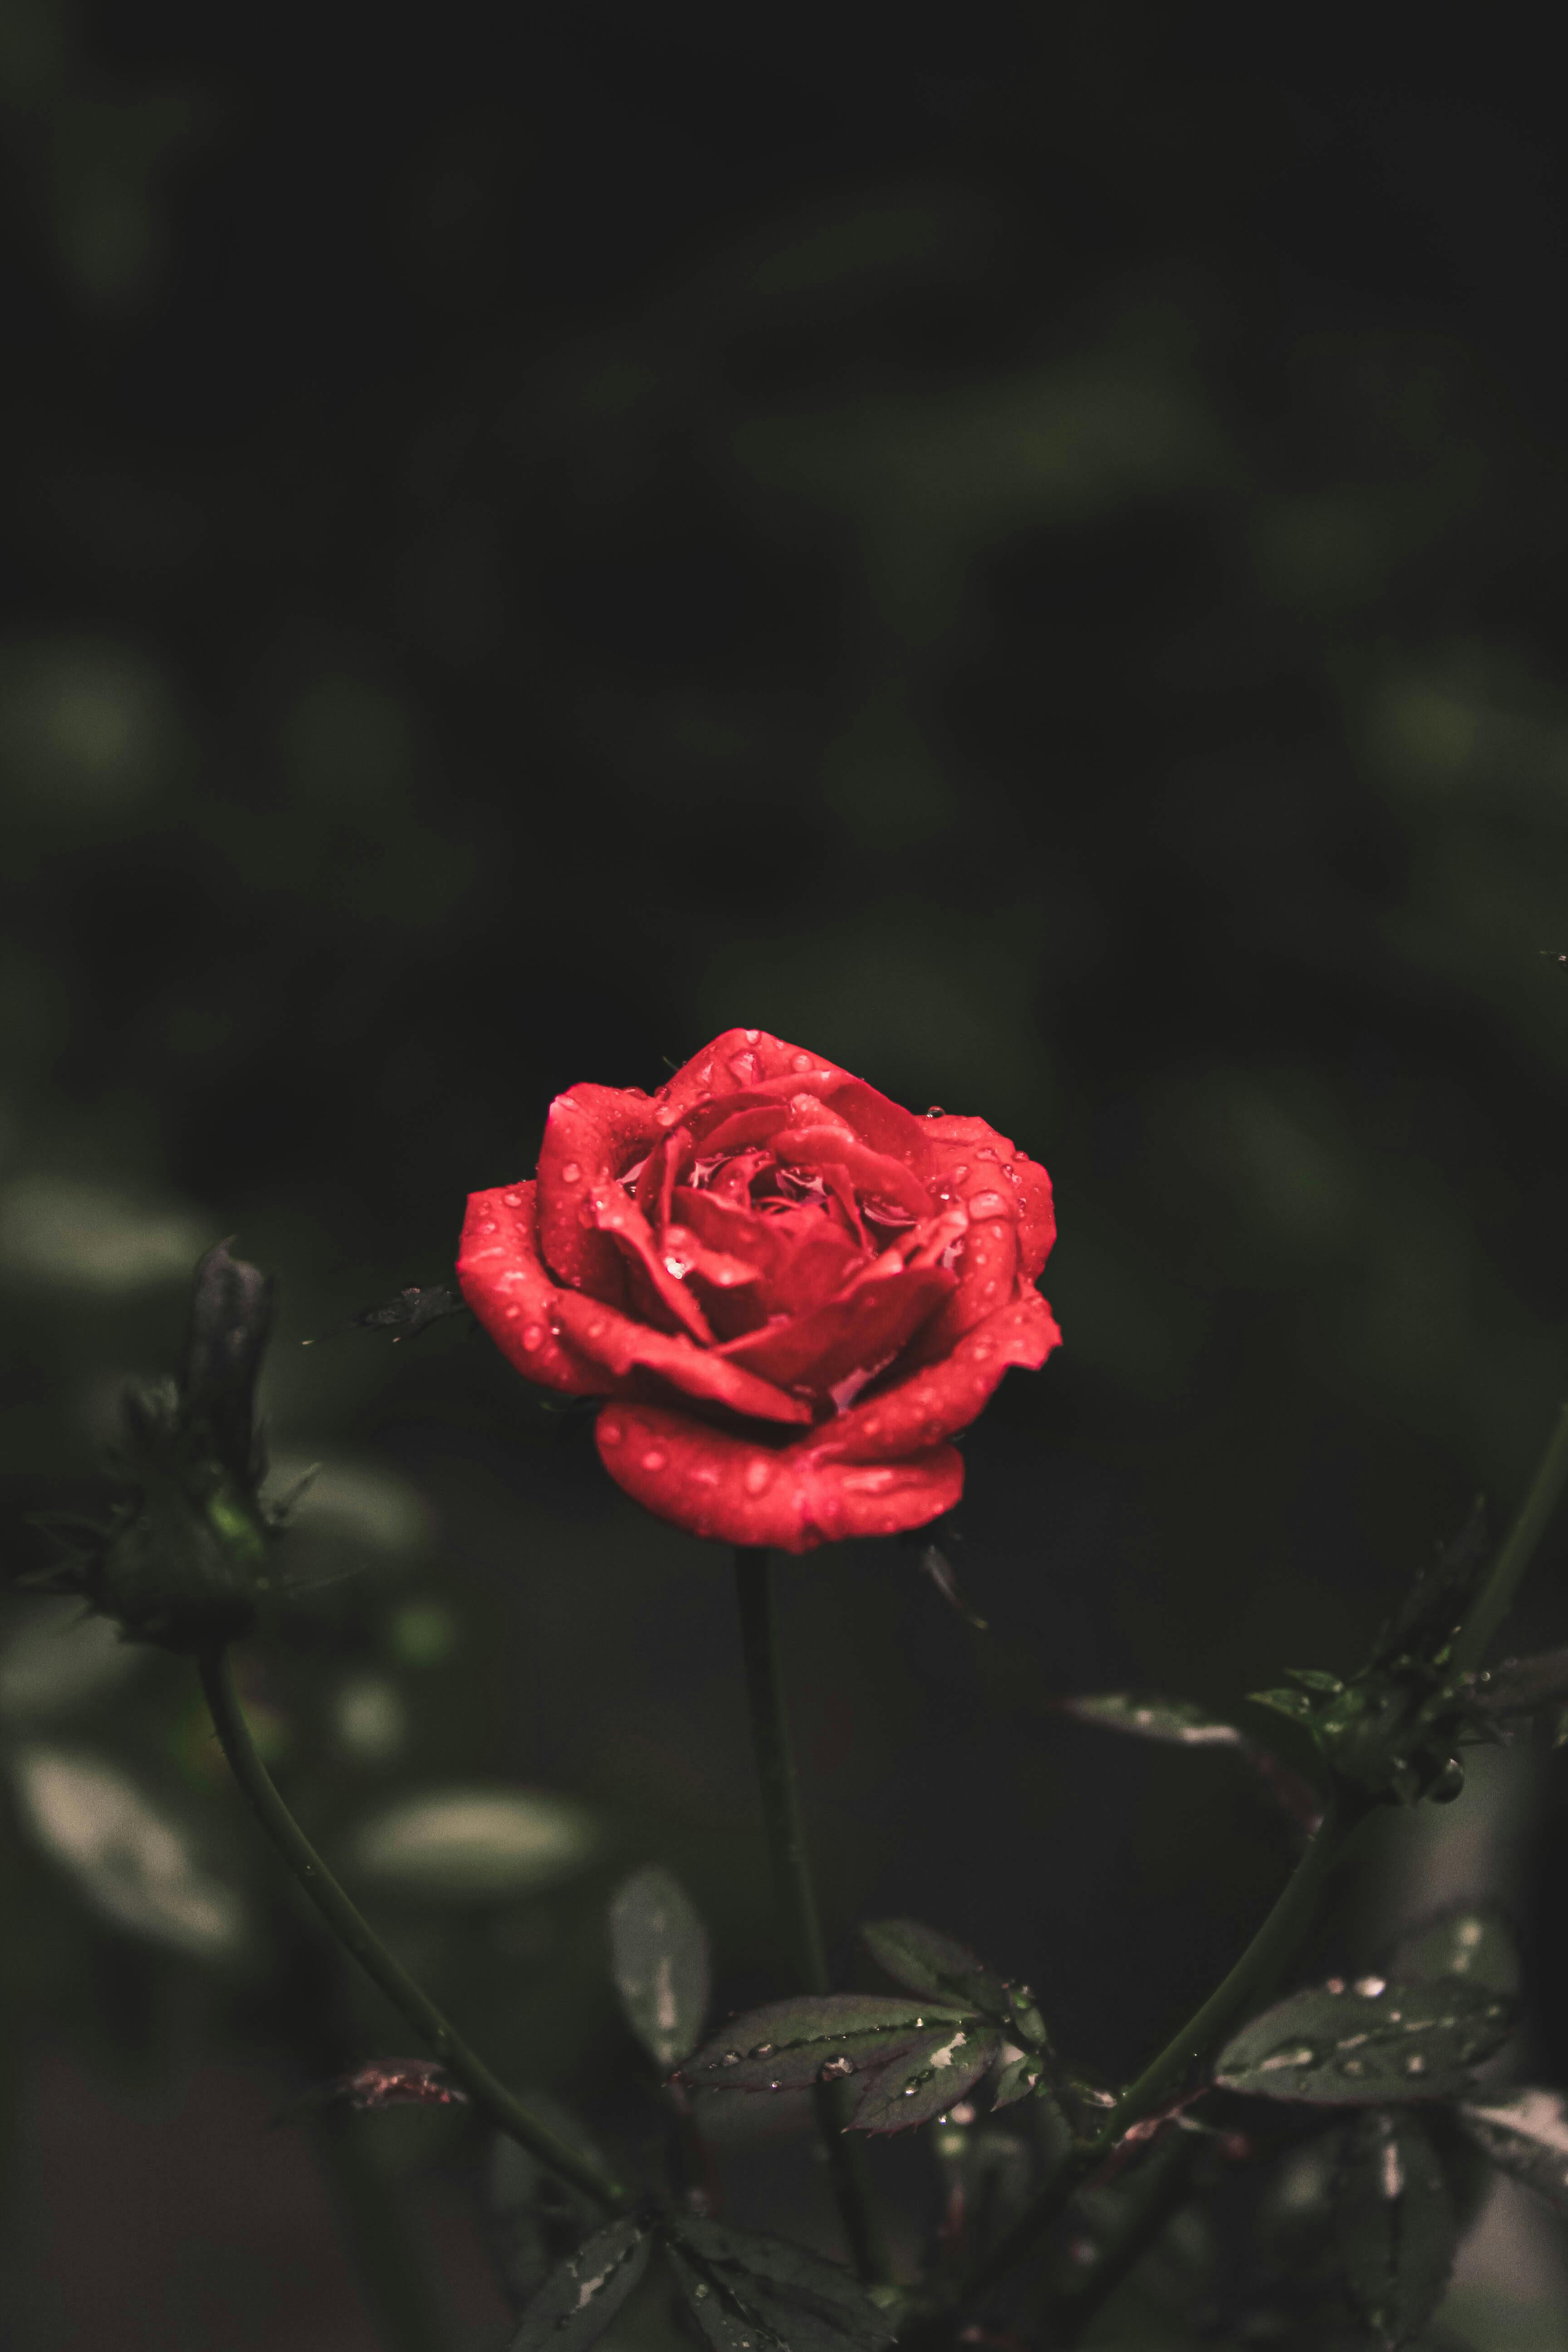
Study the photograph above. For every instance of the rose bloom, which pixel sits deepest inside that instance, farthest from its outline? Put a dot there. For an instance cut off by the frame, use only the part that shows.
(790, 1291)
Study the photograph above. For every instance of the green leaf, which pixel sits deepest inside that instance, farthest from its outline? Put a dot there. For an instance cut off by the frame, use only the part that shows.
(937, 1966)
(926, 2080)
(134, 1864)
(1020, 2074)
(1476, 1945)
(660, 1954)
(795, 2290)
(1177, 1720)
(1396, 2224)
(816, 2037)
(578, 2302)
(1366, 2044)
(1526, 2134)
(754, 2293)
(476, 1844)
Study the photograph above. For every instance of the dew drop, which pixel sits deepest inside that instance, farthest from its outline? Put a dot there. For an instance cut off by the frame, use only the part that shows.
(961, 1171)
(1416, 2064)
(596, 1329)
(511, 1313)
(731, 2058)
(487, 1224)
(570, 1173)
(653, 1459)
(753, 1035)
(800, 1061)
(666, 1116)
(762, 2050)
(987, 1205)
(979, 1349)
(610, 1431)
(758, 1473)
(935, 1110)
(700, 2292)
(513, 1199)
(833, 2070)
(872, 1426)
(1371, 1988)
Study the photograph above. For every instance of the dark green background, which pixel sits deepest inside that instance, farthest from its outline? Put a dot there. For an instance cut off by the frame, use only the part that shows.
(1025, 550)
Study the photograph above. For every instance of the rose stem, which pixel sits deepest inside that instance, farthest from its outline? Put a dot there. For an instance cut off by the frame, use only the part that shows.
(1268, 1952)
(503, 2107)
(792, 1888)
(1495, 1597)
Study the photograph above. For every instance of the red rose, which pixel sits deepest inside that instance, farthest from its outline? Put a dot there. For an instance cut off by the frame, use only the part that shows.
(790, 1289)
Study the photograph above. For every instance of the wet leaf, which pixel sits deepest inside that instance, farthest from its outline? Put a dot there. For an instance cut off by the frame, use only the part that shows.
(1176, 1720)
(381, 2083)
(131, 1862)
(749, 2293)
(578, 2301)
(476, 1843)
(1526, 2134)
(818, 2037)
(925, 1962)
(1476, 1945)
(926, 2080)
(1367, 2043)
(1020, 2074)
(1396, 2224)
(660, 1954)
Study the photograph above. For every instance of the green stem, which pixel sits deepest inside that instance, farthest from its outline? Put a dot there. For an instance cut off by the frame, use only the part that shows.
(1254, 1973)
(1495, 1597)
(793, 1889)
(504, 2108)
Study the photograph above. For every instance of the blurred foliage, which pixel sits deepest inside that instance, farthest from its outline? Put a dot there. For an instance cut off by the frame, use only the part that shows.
(1027, 555)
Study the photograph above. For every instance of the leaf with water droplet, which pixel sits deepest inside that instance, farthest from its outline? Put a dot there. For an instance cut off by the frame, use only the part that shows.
(1525, 2133)
(926, 1961)
(1477, 1944)
(926, 2080)
(1356, 2048)
(1394, 2222)
(785, 2044)
(660, 1954)
(749, 2290)
(1019, 2076)
(578, 2301)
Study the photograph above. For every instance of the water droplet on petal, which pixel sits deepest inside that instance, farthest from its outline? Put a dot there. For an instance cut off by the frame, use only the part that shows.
(753, 1035)
(570, 1173)
(513, 1199)
(935, 1110)
(979, 1349)
(487, 1224)
(987, 1205)
(653, 1459)
(800, 1062)
(758, 1473)
(511, 1313)
(596, 1329)
(666, 1116)
(610, 1431)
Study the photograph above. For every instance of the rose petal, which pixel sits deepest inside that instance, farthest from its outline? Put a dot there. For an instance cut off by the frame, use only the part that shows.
(859, 1330)
(724, 1486)
(740, 1057)
(969, 1156)
(591, 1133)
(886, 1126)
(945, 1397)
(800, 1259)
(504, 1280)
(987, 1277)
(605, 1335)
(870, 1172)
(626, 1224)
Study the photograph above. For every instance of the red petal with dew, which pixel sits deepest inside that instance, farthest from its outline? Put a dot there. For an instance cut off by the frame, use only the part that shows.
(944, 1398)
(591, 1133)
(714, 1485)
(605, 1335)
(507, 1284)
(858, 1331)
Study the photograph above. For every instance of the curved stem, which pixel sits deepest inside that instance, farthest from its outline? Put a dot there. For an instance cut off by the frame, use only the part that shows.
(504, 2108)
(1495, 1597)
(1254, 1973)
(792, 1888)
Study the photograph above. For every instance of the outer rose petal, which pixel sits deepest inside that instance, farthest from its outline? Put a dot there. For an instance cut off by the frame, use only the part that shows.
(602, 1334)
(712, 1483)
(505, 1282)
(984, 1155)
(740, 1057)
(591, 1133)
(944, 1397)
